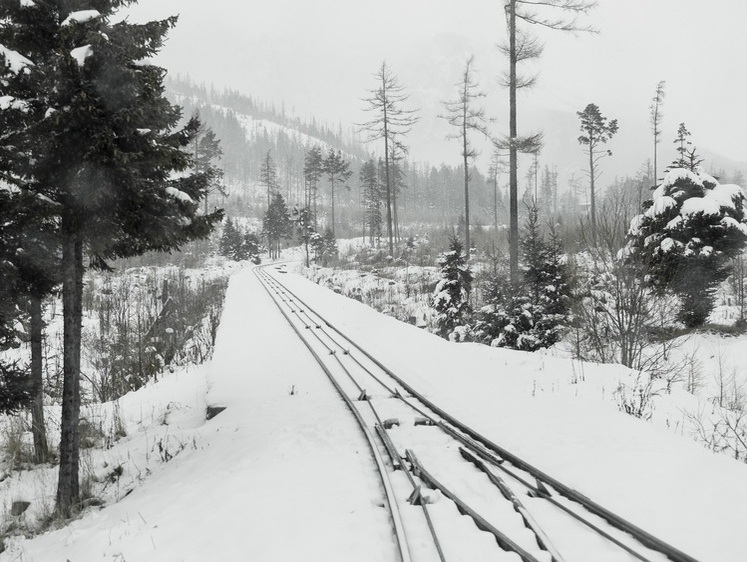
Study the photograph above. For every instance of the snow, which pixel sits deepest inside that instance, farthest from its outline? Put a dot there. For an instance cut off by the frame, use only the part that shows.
(179, 194)
(677, 174)
(81, 16)
(80, 54)
(9, 102)
(15, 61)
(283, 474)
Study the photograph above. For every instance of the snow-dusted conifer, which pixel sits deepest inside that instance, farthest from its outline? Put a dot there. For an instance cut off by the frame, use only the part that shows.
(533, 314)
(451, 295)
(105, 151)
(276, 225)
(687, 235)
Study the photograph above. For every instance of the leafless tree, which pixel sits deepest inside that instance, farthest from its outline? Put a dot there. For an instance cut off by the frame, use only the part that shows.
(656, 116)
(390, 122)
(465, 117)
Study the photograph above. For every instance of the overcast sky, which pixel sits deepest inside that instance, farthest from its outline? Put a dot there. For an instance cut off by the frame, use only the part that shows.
(318, 57)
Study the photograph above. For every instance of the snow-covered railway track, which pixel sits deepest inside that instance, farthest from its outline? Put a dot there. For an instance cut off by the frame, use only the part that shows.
(479, 478)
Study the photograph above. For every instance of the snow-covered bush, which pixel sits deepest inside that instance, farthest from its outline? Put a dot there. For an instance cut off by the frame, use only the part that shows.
(686, 236)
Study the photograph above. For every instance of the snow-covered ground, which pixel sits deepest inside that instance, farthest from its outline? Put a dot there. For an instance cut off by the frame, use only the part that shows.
(283, 475)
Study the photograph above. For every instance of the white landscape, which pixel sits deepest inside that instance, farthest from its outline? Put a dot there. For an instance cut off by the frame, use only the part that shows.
(392, 281)
(283, 473)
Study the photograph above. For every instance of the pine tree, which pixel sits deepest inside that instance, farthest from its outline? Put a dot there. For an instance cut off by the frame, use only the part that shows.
(559, 15)
(230, 244)
(105, 148)
(305, 227)
(338, 171)
(251, 248)
(276, 225)
(687, 235)
(597, 131)
(451, 294)
(268, 177)
(533, 314)
(371, 199)
(207, 153)
(313, 170)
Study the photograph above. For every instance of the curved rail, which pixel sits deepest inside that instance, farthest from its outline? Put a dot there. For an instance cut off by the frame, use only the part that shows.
(478, 443)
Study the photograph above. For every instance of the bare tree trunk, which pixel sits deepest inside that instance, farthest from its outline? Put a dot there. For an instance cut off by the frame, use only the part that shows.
(592, 195)
(513, 237)
(38, 430)
(465, 153)
(68, 488)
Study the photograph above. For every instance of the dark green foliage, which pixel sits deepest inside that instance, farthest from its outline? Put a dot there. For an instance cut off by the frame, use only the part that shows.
(16, 388)
(338, 171)
(686, 237)
(305, 228)
(372, 194)
(94, 137)
(533, 314)
(277, 225)
(235, 244)
(324, 247)
(451, 295)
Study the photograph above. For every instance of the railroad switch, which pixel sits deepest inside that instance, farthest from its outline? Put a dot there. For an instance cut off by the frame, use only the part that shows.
(543, 489)
(390, 423)
(346, 352)
(416, 498)
(424, 421)
(318, 327)
(363, 397)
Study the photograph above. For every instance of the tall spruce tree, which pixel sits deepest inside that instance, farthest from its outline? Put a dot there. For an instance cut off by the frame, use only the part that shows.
(371, 199)
(277, 225)
(105, 148)
(313, 169)
(560, 15)
(451, 294)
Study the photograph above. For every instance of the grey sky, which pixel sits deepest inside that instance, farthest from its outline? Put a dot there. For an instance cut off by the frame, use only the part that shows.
(318, 57)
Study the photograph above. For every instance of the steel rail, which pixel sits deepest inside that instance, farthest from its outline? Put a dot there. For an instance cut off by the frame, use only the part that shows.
(403, 548)
(644, 537)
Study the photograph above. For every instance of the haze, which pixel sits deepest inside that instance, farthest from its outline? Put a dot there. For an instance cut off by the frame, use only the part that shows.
(317, 58)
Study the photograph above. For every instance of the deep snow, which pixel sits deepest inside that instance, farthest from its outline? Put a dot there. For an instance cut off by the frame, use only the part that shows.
(283, 475)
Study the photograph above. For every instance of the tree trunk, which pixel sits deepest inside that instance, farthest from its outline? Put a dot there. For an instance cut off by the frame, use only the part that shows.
(465, 154)
(332, 181)
(591, 190)
(41, 449)
(513, 220)
(68, 488)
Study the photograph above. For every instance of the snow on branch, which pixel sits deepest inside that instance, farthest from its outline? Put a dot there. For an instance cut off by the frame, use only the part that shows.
(81, 16)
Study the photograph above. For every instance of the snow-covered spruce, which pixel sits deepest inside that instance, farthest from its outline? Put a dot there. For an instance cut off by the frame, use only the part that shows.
(451, 295)
(686, 236)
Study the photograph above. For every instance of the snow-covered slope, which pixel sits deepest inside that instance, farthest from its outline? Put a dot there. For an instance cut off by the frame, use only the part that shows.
(280, 475)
